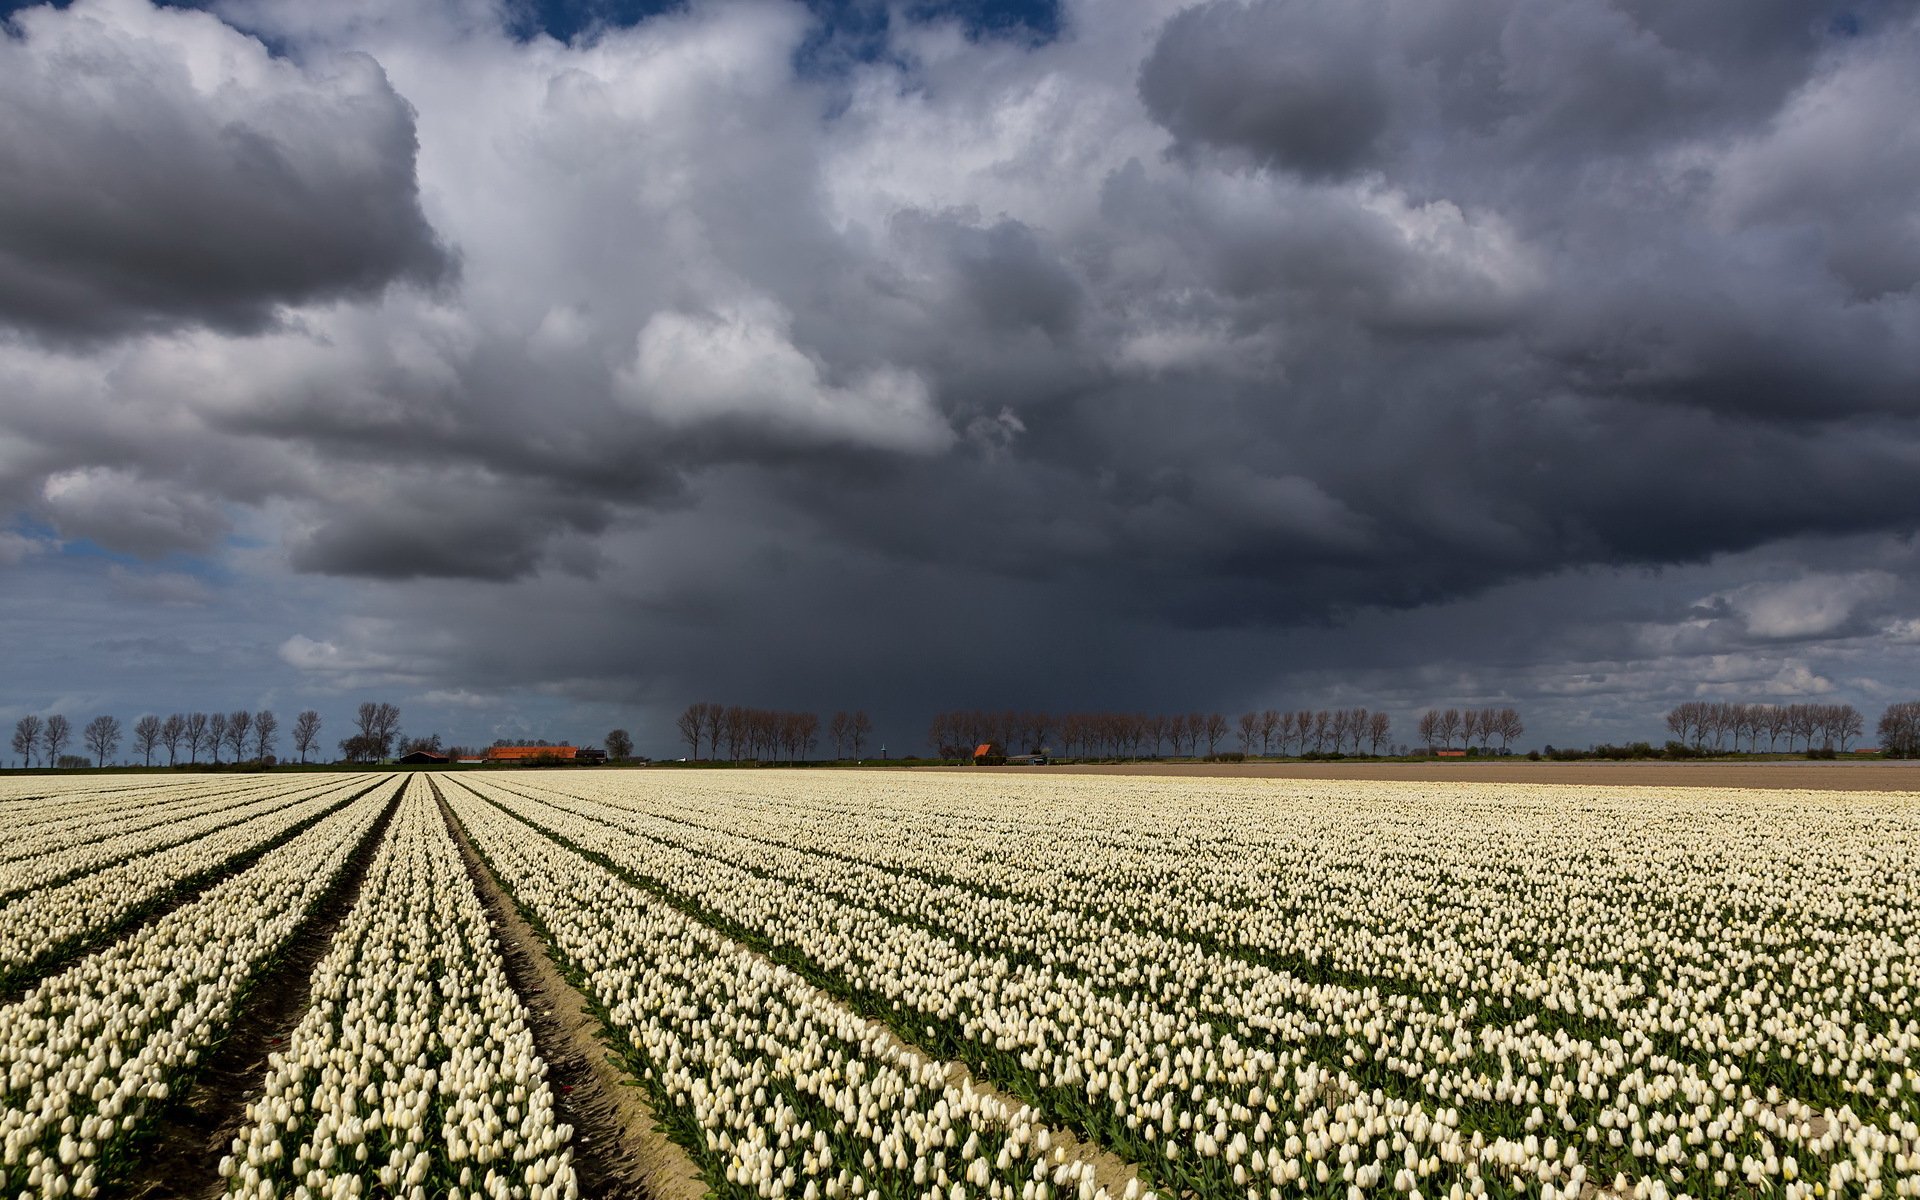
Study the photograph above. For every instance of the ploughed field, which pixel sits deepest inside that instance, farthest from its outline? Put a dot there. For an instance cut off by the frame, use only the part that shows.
(821, 985)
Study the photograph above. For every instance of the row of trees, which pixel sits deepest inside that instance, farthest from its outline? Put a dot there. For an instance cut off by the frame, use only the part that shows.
(958, 733)
(758, 734)
(1440, 728)
(40, 740)
(1700, 723)
(1327, 731)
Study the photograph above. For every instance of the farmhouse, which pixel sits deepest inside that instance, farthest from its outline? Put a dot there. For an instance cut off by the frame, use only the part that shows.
(524, 753)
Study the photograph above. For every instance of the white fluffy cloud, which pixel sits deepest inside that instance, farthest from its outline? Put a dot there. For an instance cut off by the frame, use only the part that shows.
(737, 365)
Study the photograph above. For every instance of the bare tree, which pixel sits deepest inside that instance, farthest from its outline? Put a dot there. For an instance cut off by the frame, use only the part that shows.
(1379, 729)
(838, 733)
(26, 737)
(1269, 725)
(734, 729)
(198, 729)
(1322, 730)
(1469, 725)
(306, 732)
(713, 717)
(266, 730)
(860, 731)
(54, 735)
(1216, 728)
(379, 723)
(1249, 731)
(1900, 729)
(1508, 726)
(172, 731)
(1429, 729)
(146, 735)
(807, 733)
(1680, 721)
(1337, 728)
(102, 737)
(1776, 724)
(690, 724)
(1450, 725)
(239, 729)
(216, 734)
(1847, 725)
(619, 745)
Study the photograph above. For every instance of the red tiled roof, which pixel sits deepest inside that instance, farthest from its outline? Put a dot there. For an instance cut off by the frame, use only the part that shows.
(514, 753)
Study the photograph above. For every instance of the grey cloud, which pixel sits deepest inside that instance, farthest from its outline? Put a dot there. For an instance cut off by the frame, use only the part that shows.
(126, 512)
(1293, 85)
(158, 168)
(460, 525)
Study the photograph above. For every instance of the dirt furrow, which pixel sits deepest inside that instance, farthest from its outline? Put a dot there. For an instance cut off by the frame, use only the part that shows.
(619, 1151)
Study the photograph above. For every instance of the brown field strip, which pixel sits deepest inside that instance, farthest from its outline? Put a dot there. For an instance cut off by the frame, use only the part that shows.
(1839, 776)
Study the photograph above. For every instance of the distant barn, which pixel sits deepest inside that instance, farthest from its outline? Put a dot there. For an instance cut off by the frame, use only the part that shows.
(422, 758)
(526, 753)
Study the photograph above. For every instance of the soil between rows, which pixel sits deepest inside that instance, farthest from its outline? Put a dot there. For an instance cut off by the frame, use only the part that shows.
(619, 1152)
(183, 1156)
(1840, 776)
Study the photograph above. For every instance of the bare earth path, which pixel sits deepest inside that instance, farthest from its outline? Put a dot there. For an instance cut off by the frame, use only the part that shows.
(619, 1152)
(1877, 775)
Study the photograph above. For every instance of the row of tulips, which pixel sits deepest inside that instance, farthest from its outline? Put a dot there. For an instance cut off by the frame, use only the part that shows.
(414, 1071)
(776, 1089)
(66, 851)
(21, 794)
(1046, 990)
(79, 814)
(46, 926)
(88, 1055)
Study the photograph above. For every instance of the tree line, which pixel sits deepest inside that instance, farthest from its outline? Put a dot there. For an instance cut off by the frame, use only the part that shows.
(1439, 728)
(43, 740)
(1698, 723)
(958, 733)
(760, 734)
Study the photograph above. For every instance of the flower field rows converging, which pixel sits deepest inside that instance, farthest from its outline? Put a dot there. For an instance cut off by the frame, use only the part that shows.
(86, 1055)
(998, 986)
(775, 1088)
(1186, 976)
(413, 1072)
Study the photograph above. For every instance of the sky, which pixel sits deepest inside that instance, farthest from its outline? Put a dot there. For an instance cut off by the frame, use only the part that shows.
(543, 368)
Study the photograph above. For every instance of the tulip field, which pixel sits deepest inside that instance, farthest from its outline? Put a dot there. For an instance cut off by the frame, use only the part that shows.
(838, 985)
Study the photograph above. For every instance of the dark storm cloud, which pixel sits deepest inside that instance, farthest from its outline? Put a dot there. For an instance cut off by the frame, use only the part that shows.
(1183, 351)
(164, 170)
(412, 525)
